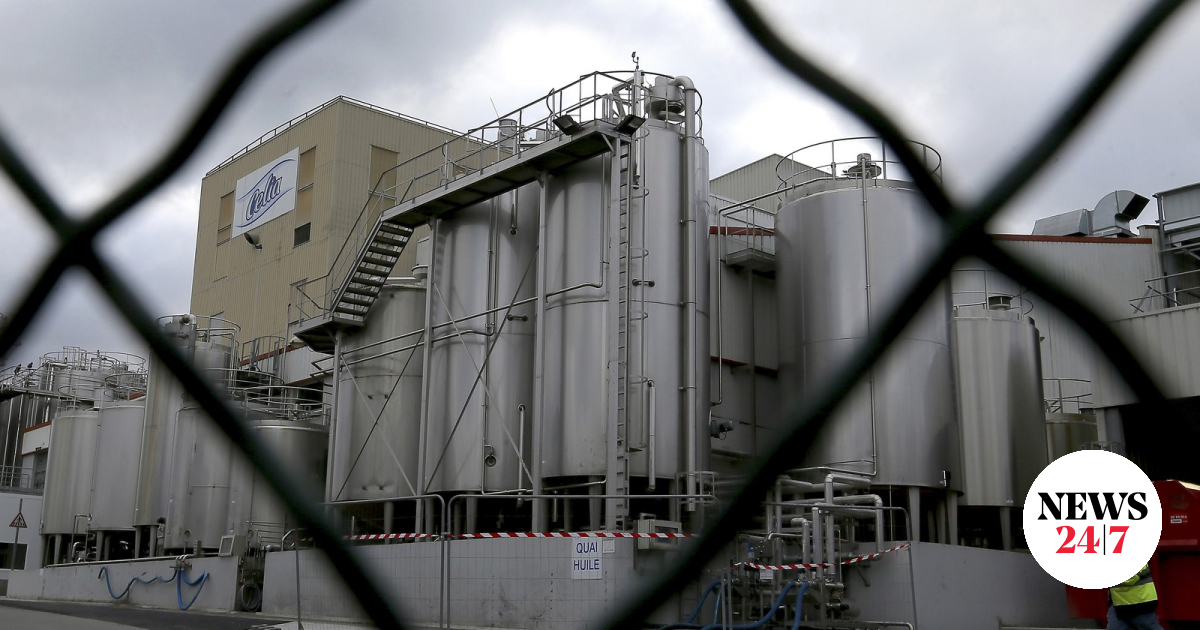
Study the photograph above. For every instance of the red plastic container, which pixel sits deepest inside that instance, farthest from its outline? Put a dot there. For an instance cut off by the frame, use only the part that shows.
(1175, 566)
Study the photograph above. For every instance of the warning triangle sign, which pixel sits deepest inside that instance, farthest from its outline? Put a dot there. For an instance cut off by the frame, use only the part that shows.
(18, 522)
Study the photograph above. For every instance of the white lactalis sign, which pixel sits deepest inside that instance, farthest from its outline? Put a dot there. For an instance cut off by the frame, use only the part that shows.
(266, 194)
(586, 561)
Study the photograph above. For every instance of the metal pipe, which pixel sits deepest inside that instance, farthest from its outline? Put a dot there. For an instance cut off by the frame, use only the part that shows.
(333, 466)
(538, 510)
(652, 472)
(426, 370)
(817, 540)
(690, 281)
(952, 515)
(806, 533)
(520, 445)
(720, 273)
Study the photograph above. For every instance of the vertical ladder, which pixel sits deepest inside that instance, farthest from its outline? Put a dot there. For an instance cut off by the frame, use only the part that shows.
(623, 345)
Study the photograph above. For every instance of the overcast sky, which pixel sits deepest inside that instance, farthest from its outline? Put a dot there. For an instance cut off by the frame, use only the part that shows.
(91, 91)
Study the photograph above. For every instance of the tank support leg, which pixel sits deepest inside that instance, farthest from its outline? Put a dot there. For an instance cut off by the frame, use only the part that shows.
(389, 509)
(952, 516)
(914, 512)
(137, 542)
(1006, 542)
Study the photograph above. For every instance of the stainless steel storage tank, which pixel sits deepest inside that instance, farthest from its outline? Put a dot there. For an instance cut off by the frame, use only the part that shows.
(167, 443)
(380, 452)
(295, 425)
(1069, 432)
(847, 243)
(114, 484)
(1001, 412)
(69, 471)
(481, 351)
(627, 308)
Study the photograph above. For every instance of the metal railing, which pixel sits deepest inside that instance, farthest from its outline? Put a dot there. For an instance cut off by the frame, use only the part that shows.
(843, 159)
(1067, 395)
(17, 478)
(266, 137)
(963, 235)
(1007, 296)
(1167, 296)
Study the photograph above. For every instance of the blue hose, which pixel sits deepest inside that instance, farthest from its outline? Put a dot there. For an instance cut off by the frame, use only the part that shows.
(799, 600)
(179, 588)
(771, 613)
(104, 573)
(690, 622)
(181, 574)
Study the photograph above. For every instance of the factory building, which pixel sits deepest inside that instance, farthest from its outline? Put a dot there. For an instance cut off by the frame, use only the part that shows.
(559, 325)
(332, 162)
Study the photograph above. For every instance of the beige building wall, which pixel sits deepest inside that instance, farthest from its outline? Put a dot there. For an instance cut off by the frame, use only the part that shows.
(352, 143)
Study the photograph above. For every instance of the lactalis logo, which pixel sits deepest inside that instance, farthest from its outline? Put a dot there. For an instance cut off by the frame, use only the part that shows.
(1092, 519)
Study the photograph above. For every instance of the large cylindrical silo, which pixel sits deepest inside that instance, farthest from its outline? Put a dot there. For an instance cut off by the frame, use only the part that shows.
(481, 363)
(68, 498)
(381, 399)
(1001, 412)
(846, 247)
(650, 326)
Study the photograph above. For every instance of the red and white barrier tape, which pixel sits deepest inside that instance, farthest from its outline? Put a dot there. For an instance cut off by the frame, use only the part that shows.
(574, 535)
(815, 565)
(389, 536)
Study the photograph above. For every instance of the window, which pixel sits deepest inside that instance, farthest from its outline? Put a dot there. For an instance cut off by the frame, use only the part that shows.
(300, 235)
(40, 459)
(304, 198)
(225, 219)
(6, 555)
(306, 169)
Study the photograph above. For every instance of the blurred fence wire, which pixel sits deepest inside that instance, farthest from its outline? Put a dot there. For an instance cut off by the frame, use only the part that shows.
(963, 234)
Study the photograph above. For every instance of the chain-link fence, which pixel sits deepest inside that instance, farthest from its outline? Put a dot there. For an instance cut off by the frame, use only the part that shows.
(963, 234)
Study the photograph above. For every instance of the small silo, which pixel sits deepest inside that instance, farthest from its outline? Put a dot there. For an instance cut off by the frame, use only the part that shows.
(381, 400)
(481, 352)
(165, 472)
(1001, 413)
(296, 428)
(67, 503)
(848, 242)
(122, 414)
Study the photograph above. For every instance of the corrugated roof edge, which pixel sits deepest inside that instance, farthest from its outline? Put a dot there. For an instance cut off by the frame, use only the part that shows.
(1177, 189)
(774, 156)
(337, 99)
(1071, 239)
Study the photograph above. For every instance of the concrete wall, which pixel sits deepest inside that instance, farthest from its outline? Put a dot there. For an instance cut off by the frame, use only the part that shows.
(960, 588)
(511, 583)
(81, 583)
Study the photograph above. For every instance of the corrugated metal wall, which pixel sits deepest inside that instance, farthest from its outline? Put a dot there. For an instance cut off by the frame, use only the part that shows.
(1108, 273)
(756, 178)
(1168, 344)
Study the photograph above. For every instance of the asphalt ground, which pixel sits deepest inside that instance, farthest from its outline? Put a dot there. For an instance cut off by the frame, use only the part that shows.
(31, 615)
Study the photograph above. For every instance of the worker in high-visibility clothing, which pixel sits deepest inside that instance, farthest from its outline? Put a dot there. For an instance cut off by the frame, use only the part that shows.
(1133, 603)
